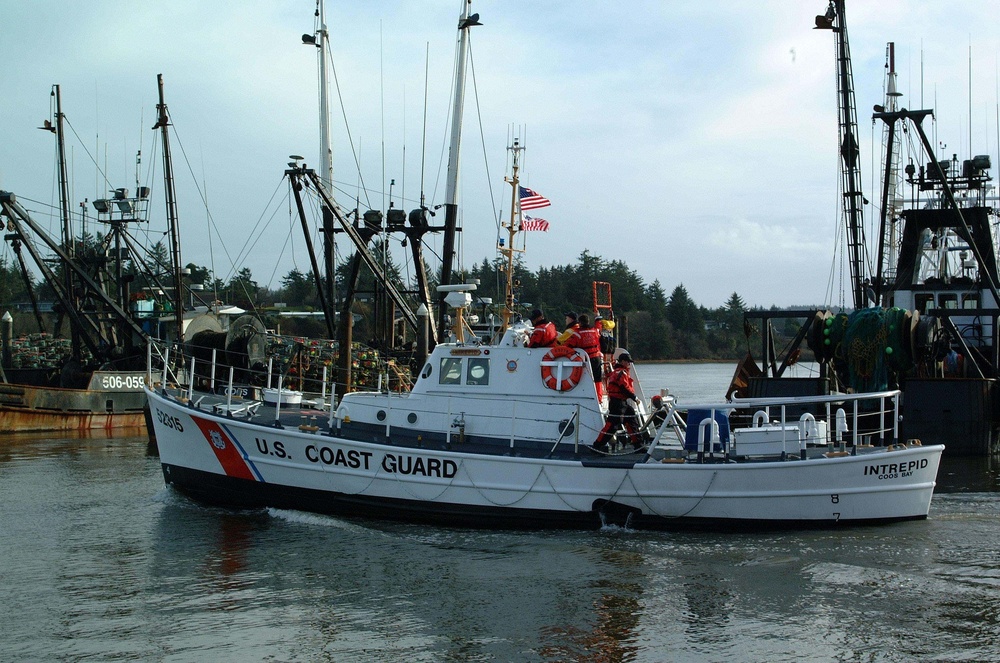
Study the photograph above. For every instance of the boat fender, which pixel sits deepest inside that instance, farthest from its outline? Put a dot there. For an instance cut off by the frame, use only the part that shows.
(560, 357)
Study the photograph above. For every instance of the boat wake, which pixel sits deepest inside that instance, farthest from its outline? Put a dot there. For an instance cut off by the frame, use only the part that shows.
(314, 519)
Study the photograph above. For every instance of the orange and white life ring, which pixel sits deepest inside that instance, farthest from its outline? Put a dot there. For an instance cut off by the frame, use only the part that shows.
(562, 368)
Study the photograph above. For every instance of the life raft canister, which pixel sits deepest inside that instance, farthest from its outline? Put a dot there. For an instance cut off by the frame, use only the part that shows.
(562, 368)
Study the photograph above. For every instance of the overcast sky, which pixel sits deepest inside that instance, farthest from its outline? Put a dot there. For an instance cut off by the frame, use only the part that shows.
(695, 141)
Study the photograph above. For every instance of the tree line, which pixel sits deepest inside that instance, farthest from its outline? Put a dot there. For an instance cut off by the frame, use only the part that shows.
(653, 324)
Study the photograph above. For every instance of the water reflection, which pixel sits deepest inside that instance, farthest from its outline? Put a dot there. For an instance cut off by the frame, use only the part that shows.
(611, 628)
(972, 475)
(24, 446)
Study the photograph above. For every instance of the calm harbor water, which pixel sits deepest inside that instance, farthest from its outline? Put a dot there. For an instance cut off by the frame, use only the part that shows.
(99, 561)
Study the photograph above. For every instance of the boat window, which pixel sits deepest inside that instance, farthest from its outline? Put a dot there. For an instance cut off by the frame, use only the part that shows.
(948, 300)
(428, 369)
(451, 370)
(479, 371)
(970, 301)
(924, 302)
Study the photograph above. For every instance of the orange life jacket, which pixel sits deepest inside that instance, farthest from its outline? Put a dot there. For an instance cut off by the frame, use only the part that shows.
(588, 340)
(620, 384)
(543, 336)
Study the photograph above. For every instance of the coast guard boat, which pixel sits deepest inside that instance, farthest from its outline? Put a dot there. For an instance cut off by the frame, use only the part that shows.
(496, 434)
(484, 439)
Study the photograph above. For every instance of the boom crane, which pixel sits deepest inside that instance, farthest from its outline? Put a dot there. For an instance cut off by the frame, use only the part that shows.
(850, 168)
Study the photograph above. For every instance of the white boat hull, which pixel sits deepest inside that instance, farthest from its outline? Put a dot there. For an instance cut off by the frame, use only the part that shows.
(228, 461)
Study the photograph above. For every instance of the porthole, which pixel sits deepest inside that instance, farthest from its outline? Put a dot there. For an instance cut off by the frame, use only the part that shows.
(380, 415)
(566, 427)
(412, 417)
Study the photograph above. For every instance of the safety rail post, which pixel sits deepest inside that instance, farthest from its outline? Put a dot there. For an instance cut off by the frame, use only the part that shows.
(841, 428)
(573, 420)
(229, 394)
(388, 414)
(166, 363)
(191, 382)
(716, 435)
(322, 396)
(854, 433)
(829, 428)
(881, 421)
(149, 364)
(211, 379)
(895, 416)
(783, 432)
(277, 403)
(333, 410)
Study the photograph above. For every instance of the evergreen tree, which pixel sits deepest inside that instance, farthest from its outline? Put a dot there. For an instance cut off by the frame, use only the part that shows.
(299, 289)
(683, 313)
(733, 312)
(12, 286)
(242, 290)
(660, 344)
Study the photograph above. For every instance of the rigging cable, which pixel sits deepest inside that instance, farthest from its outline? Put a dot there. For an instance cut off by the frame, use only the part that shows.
(482, 138)
(247, 245)
(347, 127)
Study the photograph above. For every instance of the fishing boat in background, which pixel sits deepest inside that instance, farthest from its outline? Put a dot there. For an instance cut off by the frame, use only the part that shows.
(925, 321)
(111, 295)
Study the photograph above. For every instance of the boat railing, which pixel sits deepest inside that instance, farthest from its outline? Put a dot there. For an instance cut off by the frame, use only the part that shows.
(214, 369)
(748, 427)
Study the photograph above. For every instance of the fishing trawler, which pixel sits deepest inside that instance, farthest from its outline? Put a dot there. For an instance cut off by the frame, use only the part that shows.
(91, 376)
(925, 319)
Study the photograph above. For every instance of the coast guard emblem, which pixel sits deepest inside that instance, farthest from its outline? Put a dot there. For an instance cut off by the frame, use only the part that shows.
(217, 440)
(511, 365)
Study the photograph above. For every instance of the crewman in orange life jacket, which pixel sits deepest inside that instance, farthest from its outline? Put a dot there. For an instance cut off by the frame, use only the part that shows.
(621, 413)
(544, 334)
(588, 338)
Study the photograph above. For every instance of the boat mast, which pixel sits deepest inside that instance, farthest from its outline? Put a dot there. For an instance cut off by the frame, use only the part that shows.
(69, 244)
(508, 250)
(465, 22)
(325, 286)
(849, 149)
(162, 122)
(326, 158)
(888, 250)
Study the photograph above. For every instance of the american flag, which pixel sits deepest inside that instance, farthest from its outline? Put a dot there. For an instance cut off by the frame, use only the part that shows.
(531, 200)
(531, 223)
